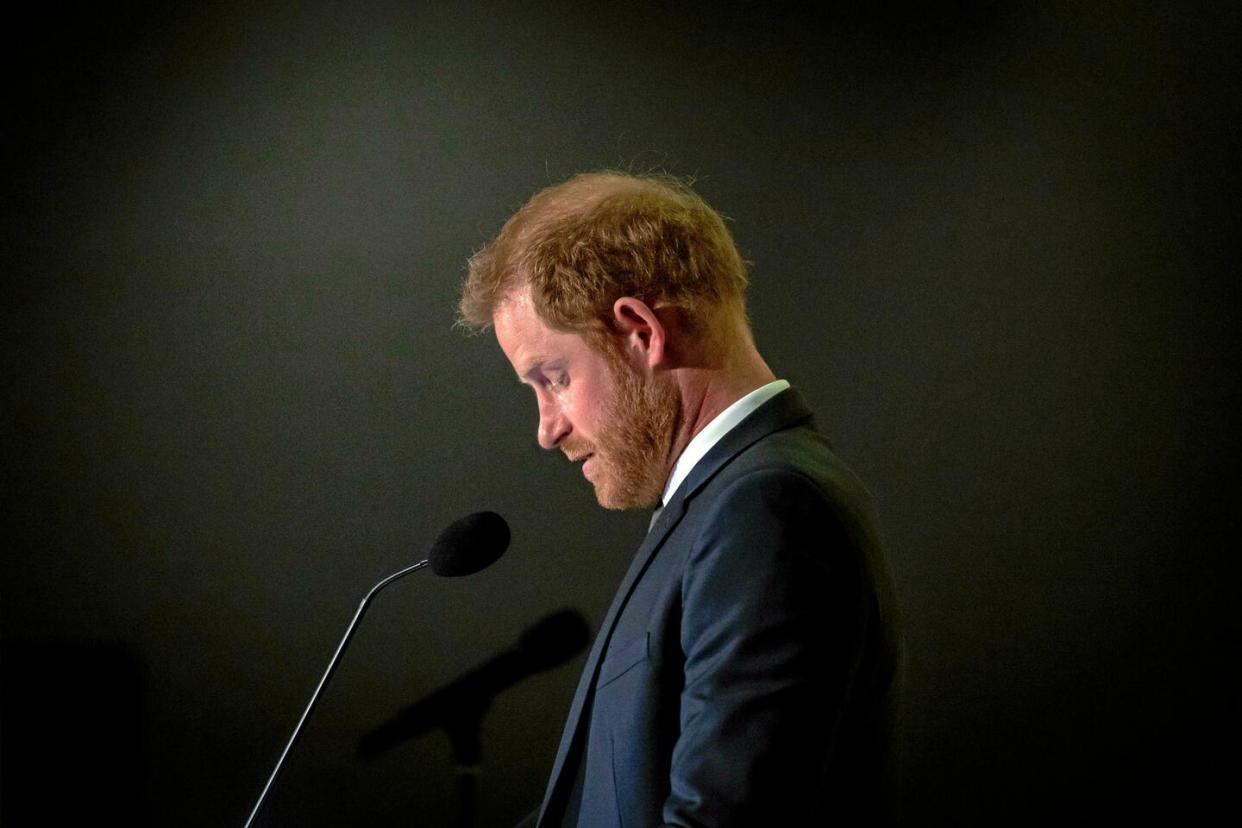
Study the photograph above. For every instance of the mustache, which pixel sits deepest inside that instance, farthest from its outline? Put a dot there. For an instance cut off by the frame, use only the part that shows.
(577, 449)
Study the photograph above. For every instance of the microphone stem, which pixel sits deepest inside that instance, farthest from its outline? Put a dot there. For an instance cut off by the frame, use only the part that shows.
(327, 674)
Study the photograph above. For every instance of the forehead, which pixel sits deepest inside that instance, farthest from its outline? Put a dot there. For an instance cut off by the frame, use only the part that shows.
(527, 341)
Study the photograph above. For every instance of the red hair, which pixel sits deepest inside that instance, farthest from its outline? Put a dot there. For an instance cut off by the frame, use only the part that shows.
(581, 245)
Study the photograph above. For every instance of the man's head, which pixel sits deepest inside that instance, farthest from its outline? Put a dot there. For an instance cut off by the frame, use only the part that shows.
(581, 245)
(599, 289)
(593, 406)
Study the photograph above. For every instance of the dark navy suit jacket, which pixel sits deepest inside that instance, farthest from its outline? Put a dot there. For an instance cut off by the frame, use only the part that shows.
(747, 670)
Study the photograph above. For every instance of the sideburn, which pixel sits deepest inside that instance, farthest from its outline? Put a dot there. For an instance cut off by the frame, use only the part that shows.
(647, 414)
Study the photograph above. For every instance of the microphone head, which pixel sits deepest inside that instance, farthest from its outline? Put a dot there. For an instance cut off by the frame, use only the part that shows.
(469, 545)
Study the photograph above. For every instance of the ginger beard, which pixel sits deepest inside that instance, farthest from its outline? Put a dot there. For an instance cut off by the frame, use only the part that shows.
(632, 459)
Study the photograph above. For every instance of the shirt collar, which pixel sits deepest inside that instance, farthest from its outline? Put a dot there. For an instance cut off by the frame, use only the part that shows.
(710, 434)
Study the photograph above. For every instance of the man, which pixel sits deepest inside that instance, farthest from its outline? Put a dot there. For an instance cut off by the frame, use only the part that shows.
(747, 669)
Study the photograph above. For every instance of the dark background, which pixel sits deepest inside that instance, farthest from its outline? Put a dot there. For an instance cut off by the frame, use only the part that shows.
(992, 243)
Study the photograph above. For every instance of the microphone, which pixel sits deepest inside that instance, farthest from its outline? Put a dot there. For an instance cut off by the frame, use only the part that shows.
(552, 641)
(467, 546)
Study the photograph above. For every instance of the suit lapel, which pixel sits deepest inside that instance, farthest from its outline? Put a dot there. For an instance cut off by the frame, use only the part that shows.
(668, 518)
(782, 411)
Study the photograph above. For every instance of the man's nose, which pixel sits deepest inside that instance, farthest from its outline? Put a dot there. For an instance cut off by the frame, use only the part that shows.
(553, 425)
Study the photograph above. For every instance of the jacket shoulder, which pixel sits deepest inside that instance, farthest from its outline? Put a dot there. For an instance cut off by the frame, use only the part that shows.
(800, 465)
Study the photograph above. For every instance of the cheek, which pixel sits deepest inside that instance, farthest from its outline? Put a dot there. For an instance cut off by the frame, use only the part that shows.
(584, 419)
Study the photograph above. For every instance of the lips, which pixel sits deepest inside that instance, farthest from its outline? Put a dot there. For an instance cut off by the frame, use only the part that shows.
(588, 465)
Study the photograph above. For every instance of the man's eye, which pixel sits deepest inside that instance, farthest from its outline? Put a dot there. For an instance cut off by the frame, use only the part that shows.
(558, 383)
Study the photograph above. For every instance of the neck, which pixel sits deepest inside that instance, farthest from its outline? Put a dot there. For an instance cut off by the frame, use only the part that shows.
(708, 389)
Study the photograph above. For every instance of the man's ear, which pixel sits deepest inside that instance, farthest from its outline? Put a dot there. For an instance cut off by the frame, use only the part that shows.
(644, 336)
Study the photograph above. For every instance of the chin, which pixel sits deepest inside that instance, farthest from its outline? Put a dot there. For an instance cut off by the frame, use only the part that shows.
(611, 497)
(619, 504)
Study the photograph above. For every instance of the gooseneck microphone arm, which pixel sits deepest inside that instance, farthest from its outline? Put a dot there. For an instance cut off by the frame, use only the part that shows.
(327, 674)
(468, 545)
